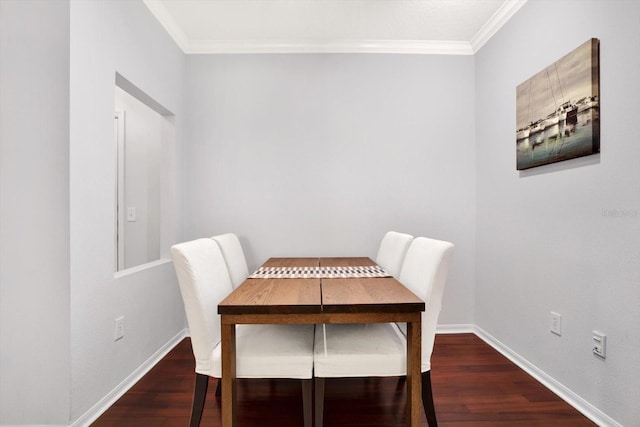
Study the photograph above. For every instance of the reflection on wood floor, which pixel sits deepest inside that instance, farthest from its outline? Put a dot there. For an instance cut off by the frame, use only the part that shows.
(473, 385)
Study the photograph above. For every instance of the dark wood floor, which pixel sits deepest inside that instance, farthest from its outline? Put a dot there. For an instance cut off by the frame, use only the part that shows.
(473, 385)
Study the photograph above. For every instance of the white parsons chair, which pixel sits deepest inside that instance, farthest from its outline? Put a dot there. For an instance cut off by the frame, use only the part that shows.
(392, 250)
(233, 257)
(391, 253)
(262, 351)
(379, 349)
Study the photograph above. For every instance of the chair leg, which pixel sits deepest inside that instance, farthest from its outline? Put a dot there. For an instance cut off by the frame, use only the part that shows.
(427, 399)
(319, 400)
(306, 401)
(199, 396)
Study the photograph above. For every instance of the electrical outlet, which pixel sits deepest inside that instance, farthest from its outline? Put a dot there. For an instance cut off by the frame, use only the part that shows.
(556, 323)
(599, 344)
(118, 332)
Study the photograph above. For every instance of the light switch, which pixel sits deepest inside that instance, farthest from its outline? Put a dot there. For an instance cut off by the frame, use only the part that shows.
(599, 344)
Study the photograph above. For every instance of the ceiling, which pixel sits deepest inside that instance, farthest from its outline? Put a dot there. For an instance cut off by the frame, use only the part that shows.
(297, 26)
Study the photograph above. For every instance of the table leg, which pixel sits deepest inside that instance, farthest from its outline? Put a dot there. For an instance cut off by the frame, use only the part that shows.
(228, 338)
(414, 362)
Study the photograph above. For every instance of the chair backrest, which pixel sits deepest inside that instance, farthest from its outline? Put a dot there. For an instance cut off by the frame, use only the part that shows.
(392, 250)
(204, 282)
(234, 257)
(425, 272)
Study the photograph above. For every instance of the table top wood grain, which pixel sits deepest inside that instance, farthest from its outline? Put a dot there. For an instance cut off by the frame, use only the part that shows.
(274, 296)
(307, 296)
(292, 262)
(368, 295)
(346, 262)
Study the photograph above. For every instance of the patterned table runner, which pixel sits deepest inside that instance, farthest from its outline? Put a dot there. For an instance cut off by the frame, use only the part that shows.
(319, 272)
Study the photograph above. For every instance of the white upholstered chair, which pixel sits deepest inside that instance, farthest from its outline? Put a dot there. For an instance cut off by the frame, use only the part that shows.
(392, 250)
(262, 351)
(379, 350)
(233, 257)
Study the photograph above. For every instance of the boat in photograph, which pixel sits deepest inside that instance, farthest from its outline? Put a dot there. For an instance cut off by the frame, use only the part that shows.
(536, 127)
(523, 133)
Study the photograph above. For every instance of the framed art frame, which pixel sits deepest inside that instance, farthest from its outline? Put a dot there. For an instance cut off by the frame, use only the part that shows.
(558, 110)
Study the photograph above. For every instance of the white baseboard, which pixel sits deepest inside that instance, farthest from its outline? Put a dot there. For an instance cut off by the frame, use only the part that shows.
(99, 408)
(584, 407)
(454, 328)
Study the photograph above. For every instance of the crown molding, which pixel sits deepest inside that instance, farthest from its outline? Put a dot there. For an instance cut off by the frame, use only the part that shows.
(419, 47)
(331, 46)
(502, 15)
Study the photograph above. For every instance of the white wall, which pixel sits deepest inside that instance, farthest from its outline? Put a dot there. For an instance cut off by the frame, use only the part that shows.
(34, 213)
(563, 237)
(109, 37)
(320, 155)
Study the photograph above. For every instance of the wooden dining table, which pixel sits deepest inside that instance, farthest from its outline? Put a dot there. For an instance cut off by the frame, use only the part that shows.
(320, 299)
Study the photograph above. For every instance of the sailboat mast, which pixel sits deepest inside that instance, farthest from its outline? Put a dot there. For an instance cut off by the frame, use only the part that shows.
(559, 84)
(551, 87)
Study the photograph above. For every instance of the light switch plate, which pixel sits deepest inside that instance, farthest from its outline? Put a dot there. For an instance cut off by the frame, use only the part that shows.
(599, 344)
(118, 331)
(556, 323)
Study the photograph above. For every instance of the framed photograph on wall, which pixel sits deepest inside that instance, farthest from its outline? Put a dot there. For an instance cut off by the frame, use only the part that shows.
(558, 110)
